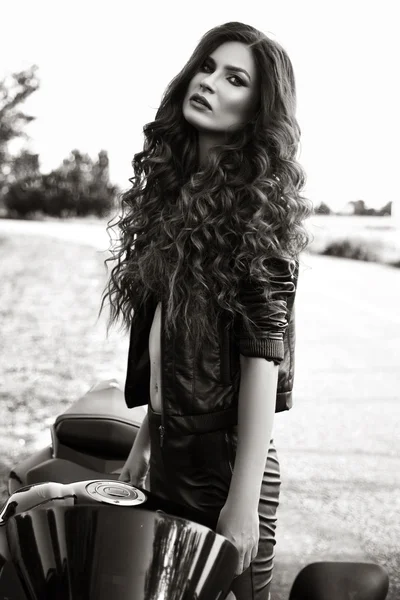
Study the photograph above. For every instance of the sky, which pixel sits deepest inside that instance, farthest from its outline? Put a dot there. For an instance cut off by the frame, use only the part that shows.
(103, 67)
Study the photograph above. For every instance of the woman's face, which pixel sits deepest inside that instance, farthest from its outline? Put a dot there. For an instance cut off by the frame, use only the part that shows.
(227, 82)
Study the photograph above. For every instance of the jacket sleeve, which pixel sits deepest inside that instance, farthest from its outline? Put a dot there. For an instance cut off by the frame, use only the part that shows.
(269, 314)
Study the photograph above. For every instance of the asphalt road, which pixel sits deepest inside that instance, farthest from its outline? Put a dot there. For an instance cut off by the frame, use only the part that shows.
(339, 446)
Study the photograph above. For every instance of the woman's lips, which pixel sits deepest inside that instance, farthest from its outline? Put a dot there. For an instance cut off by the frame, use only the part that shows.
(199, 103)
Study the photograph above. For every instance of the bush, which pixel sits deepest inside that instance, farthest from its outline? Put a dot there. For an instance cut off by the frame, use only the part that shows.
(78, 188)
(24, 198)
(53, 195)
(58, 199)
(350, 249)
(96, 202)
(363, 249)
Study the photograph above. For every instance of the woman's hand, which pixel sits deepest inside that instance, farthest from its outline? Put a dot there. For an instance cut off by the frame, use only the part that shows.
(134, 471)
(136, 465)
(241, 527)
(132, 477)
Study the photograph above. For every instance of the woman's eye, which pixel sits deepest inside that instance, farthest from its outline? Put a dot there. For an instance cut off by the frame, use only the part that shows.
(236, 80)
(205, 67)
(233, 79)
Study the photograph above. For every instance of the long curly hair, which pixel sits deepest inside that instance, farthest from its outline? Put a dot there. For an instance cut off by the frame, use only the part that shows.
(191, 233)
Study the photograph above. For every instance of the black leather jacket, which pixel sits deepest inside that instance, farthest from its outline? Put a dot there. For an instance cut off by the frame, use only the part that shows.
(200, 393)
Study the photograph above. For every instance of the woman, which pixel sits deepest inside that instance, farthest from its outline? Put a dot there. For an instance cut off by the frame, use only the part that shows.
(205, 277)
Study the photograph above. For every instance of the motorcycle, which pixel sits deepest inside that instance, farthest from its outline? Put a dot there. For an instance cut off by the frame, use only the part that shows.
(70, 530)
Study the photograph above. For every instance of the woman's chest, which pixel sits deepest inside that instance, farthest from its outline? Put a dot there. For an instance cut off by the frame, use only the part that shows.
(155, 335)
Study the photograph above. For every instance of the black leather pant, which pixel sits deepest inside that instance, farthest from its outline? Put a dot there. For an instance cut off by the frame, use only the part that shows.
(195, 470)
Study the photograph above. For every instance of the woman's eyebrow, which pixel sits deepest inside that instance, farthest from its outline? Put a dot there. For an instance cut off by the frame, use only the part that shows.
(231, 67)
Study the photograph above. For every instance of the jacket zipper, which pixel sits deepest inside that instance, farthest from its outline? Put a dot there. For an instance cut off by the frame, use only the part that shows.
(162, 426)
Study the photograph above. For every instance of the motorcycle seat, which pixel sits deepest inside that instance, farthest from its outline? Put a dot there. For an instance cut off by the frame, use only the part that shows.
(65, 471)
(341, 580)
(99, 422)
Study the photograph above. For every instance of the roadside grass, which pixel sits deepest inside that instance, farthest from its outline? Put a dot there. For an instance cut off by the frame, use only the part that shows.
(363, 238)
(359, 247)
(53, 346)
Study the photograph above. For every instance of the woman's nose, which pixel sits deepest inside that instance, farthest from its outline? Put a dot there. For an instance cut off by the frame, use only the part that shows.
(207, 84)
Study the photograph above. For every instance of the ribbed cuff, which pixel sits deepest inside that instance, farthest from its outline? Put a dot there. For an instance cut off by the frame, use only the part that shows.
(263, 348)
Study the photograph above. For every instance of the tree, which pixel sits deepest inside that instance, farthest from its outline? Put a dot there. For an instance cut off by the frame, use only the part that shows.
(386, 210)
(25, 164)
(90, 191)
(359, 207)
(14, 90)
(322, 209)
(78, 187)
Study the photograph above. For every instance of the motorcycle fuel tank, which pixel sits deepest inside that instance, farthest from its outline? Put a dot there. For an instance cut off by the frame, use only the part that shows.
(96, 540)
